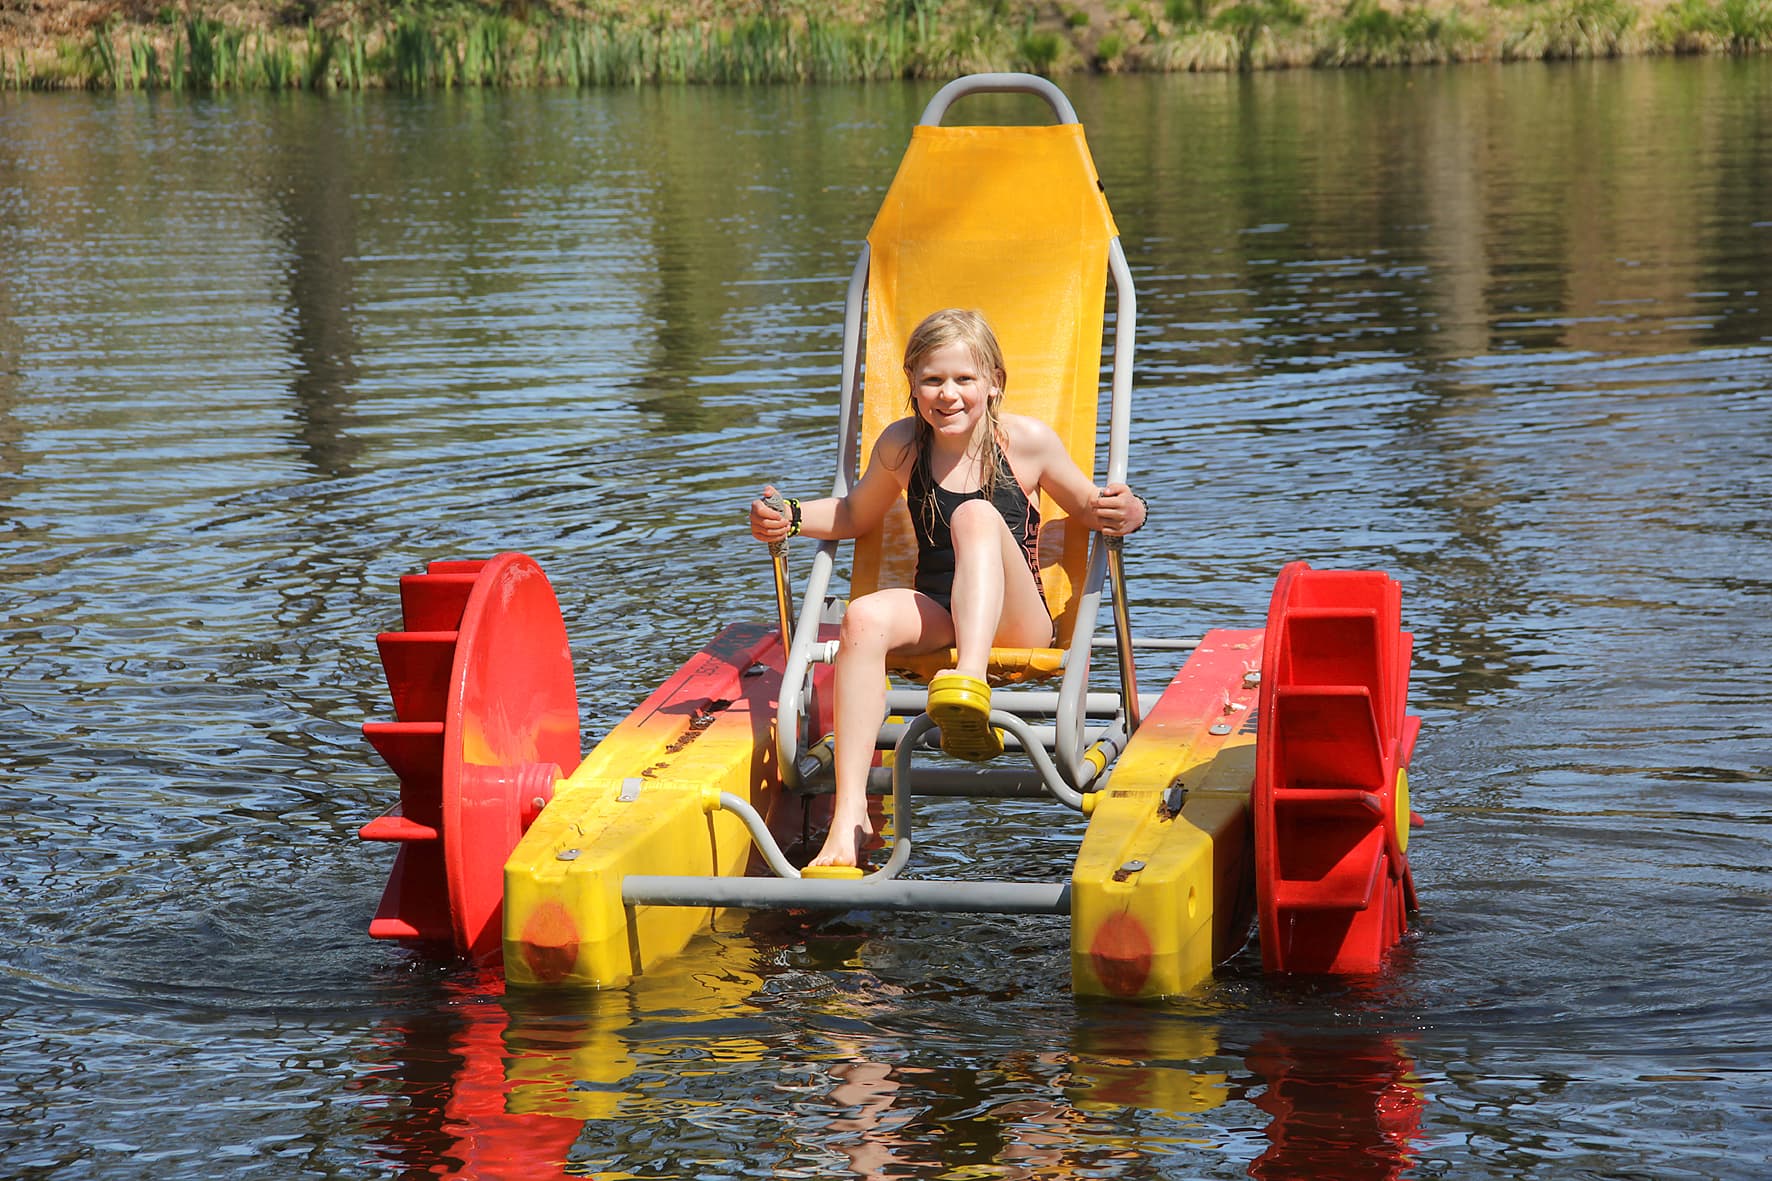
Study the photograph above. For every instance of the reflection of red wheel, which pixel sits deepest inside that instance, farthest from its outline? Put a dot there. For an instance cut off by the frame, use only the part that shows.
(483, 689)
(1331, 797)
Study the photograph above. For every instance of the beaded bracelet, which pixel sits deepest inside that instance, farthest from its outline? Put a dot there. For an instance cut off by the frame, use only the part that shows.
(794, 522)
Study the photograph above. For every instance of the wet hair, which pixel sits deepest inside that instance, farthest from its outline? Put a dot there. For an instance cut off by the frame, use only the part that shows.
(961, 326)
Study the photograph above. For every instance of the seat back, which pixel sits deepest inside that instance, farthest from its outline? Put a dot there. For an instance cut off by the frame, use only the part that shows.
(1010, 221)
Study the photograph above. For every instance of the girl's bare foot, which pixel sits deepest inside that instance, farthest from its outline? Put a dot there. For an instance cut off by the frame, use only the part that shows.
(845, 842)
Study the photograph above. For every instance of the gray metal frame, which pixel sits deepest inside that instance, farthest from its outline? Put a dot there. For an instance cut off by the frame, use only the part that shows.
(1072, 764)
(1070, 752)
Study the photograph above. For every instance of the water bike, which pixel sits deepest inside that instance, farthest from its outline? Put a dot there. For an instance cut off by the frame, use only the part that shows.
(1265, 785)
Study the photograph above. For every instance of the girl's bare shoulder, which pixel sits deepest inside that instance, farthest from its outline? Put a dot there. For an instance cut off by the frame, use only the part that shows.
(899, 430)
(1028, 436)
(896, 443)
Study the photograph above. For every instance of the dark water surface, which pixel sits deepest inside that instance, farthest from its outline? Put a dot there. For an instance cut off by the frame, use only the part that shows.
(1505, 332)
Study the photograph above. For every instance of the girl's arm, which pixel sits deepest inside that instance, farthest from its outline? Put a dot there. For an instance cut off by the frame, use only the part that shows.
(1113, 510)
(832, 518)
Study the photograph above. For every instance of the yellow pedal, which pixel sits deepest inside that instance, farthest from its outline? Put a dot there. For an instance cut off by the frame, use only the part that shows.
(961, 706)
(835, 873)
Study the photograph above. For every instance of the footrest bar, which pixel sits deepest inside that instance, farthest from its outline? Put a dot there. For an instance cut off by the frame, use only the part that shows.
(894, 894)
(1021, 702)
(992, 783)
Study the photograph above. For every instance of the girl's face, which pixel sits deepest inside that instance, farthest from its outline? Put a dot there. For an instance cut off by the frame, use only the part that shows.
(951, 391)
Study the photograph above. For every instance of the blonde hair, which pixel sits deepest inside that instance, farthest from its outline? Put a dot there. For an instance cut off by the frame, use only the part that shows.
(961, 326)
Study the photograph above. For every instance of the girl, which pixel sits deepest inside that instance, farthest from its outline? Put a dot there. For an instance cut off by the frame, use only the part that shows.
(971, 475)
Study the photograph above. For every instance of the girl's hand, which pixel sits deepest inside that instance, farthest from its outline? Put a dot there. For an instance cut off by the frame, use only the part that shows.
(1117, 511)
(768, 525)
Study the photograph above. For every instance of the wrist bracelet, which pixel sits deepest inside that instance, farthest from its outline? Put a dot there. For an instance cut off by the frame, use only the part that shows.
(1144, 516)
(794, 517)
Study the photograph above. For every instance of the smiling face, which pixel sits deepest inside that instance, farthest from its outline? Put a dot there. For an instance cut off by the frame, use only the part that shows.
(952, 391)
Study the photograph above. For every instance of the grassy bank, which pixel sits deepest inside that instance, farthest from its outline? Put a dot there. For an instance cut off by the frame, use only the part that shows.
(416, 44)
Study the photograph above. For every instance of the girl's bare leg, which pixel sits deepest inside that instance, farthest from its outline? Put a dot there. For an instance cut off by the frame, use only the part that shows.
(996, 600)
(872, 626)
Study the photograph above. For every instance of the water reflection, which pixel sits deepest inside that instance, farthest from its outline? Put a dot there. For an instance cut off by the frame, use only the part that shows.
(1735, 224)
(704, 1068)
(704, 225)
(310, 182)
(452, 1109)
(12, 348)
(731, 234)
(1144, 1058)
(1343, 1108)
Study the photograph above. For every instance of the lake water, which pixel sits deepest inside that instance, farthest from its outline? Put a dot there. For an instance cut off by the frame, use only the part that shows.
(1505, 332)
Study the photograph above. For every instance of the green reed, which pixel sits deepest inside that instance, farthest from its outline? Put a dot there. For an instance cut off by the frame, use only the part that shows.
(1255, 24)
(1571, 29)
(1371, 35)
(759, 49)
(421, 45)
(216, 58)
(412, 52)
(1710, 26)
(1194, 50)
(109, 64)
(1040, 48)
(316, 68)
(144, 63)
(488, 53)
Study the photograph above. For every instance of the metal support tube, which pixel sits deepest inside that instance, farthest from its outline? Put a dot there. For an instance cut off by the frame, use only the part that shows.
(1119, 433)
(1062, 111)
(901, 797)
(902, 756)
(984, 783)
(795, 679)
(991, 783)
(1161, 644)
(866, 894)
(1040, 735)
(1072, 755)
(1073, 688)
(849, 395)
(1125, 334)
(760, 834)
(1016, 701)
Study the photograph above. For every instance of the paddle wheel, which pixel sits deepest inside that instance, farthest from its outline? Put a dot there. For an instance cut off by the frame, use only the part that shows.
(486, 715)
(1331, 792)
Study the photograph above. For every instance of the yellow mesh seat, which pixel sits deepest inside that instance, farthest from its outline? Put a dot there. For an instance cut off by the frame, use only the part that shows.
(1010, 221)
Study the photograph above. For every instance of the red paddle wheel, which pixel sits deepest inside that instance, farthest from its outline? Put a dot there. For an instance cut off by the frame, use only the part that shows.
(1331, 796)
(487, 717)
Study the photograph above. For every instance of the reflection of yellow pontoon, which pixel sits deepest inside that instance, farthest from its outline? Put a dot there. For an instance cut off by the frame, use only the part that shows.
(1195, 818)
(535, 1083)
(531, 1084)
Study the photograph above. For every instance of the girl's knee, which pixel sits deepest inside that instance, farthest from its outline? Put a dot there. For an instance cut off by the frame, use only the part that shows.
(867, 622)
(976, 521)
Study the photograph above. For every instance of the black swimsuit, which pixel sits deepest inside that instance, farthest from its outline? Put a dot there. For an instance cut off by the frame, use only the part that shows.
(935, 538)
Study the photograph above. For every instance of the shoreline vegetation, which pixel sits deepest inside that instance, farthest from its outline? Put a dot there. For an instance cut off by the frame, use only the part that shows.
(328, 45)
